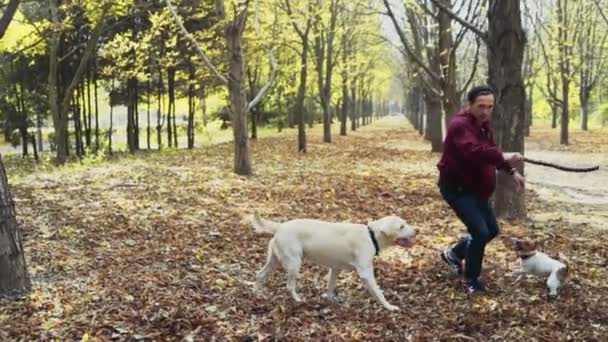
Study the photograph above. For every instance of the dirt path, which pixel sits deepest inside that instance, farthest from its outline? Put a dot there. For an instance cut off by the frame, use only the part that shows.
(576, 197)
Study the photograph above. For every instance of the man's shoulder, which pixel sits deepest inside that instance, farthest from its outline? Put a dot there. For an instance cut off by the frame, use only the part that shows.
(460, 120)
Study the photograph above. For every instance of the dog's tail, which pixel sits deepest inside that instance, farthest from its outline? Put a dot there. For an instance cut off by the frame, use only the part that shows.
(264, 226)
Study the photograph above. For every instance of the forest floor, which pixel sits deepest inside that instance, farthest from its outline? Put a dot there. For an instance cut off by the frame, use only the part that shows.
(158, 246)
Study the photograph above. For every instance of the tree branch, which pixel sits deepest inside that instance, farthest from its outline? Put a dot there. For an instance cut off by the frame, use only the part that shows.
(264, 90)
(474, 29)
(406, 45)
(474, 71)
(210, 65)
(7, 16)
(88, 51)
(599, 9)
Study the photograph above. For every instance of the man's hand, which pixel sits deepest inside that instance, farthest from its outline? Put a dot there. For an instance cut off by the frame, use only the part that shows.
(514, 159)
(519, 181)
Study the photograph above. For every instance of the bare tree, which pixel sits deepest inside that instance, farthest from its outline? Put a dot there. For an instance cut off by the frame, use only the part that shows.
(303, 33)
(325, 60)
(60, 105)
(239, 106)
(592, 49)
(435, 55)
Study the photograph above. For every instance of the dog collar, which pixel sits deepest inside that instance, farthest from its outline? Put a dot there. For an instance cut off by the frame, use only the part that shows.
(526, 256)
(373, 237)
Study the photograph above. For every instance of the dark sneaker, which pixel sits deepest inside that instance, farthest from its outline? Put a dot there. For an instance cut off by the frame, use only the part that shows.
(454, 264)
(475, 286)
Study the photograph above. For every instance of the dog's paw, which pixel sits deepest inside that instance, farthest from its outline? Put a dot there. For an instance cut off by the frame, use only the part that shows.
(392, 307)
(332, 298)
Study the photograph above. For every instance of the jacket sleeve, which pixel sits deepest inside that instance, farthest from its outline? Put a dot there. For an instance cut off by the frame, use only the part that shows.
(476, 152)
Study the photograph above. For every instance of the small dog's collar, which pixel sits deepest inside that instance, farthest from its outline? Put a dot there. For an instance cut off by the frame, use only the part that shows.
(526, 256)
(373, 237)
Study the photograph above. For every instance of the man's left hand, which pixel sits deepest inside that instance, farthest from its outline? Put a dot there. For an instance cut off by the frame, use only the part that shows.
(519, 181)
(515, 159)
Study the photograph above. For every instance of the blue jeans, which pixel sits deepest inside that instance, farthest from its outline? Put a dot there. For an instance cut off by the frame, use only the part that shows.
(480, 220)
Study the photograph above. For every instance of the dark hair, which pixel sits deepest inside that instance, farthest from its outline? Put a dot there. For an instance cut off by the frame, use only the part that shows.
(479, 91)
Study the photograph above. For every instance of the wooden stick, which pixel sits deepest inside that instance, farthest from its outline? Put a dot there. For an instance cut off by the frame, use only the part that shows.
(563, 168)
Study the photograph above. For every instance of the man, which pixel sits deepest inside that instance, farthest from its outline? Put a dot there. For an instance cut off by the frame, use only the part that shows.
(467, 179)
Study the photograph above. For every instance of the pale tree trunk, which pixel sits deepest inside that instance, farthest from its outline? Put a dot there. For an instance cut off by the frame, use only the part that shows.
(239, 107)
(324, 49)
(299, 105)
(14, 277)
(238, 96)
(345, 99)
(59, 107)
(506, 42)
(584, 96)
(433, 121)
(447, 60)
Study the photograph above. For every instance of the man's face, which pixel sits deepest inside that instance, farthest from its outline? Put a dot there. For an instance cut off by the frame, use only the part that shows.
(482, 107)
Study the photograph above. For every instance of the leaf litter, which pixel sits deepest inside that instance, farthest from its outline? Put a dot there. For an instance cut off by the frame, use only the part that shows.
(159, 248)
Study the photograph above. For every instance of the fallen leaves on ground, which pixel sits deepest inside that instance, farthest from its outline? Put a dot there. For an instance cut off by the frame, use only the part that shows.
(159, 248)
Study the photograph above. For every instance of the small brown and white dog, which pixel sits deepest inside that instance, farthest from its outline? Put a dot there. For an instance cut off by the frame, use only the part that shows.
(538, 263)
(336, 245)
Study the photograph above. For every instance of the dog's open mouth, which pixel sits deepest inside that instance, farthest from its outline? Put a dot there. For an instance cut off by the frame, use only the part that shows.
(405, 242)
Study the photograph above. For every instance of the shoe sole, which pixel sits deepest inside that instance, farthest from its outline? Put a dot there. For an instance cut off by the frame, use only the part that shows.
(453, 268)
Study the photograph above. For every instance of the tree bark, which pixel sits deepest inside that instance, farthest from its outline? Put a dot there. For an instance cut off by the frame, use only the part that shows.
(14, 277)
(59, 107)
(171, 89)
(96, 108)
(447, 61)
(506, 42)
(433, 121)
(7, 16)
(238, 96)
(584, 96)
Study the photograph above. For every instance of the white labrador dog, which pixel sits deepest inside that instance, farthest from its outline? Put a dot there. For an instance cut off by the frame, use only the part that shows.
(339, 246)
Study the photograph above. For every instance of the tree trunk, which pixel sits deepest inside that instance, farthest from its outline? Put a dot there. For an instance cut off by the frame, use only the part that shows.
(96, 108)
(148, 127)
(40, 141)
(529, 102)
(77, 126)
(554, 114)
(111, 119)
(565, 56)
(506, 42)
(203, 102)
(447, 62)
(344, 107)
(34, 147)
(421, 110)
(190, 134)
(60, 119)
(59, 107)
(131, 115)
(238, 97)
(171, 88)
(159, 116)
(584, 96)
(89, 110)
(82, 107)
(433, 121)
(136, 113)
(14, 277)
(565, 117)
(7, 15)
(353, 103)
(299, 110)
